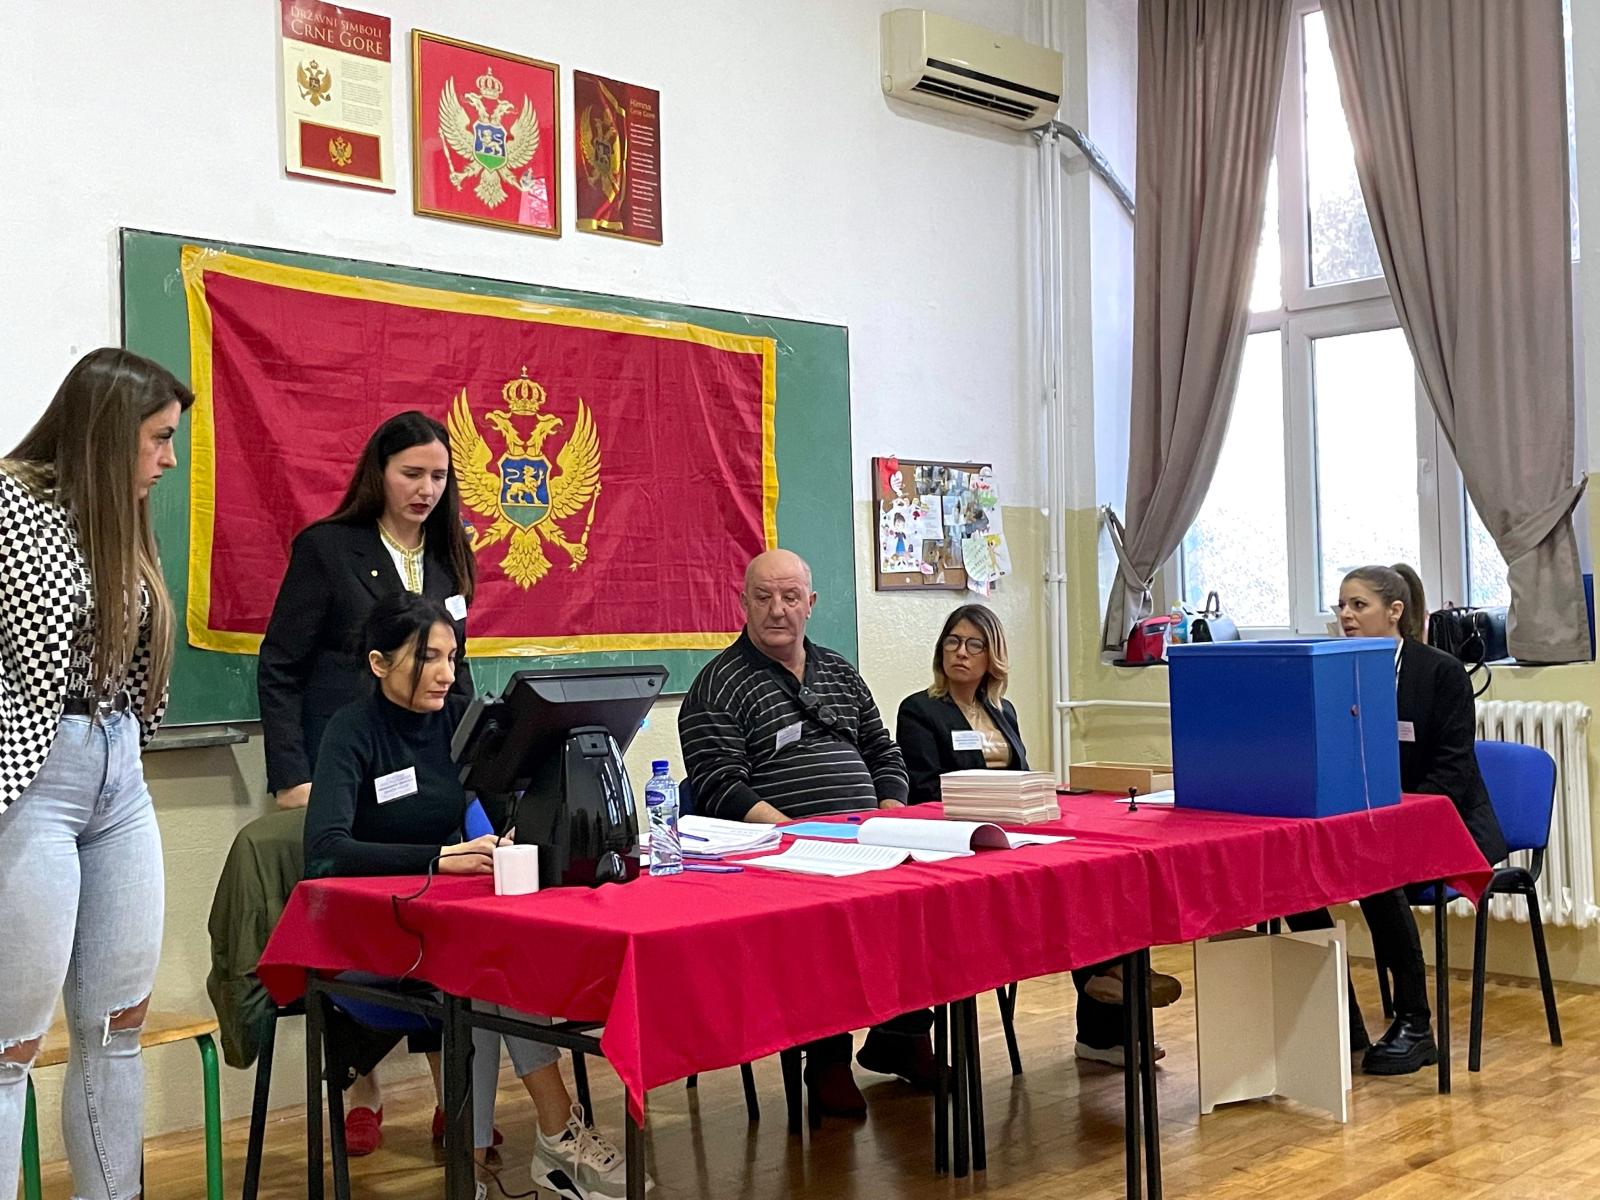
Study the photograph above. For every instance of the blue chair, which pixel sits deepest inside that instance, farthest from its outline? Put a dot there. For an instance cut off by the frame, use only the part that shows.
(1521, 781)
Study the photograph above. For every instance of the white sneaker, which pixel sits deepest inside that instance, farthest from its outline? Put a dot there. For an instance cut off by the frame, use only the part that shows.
(480, 1191)
(1111, 1055)
(581, 1163)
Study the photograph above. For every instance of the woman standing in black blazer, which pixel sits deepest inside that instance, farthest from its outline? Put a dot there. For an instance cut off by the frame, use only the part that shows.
(963, 722)
(398, 527)
(1434, 701)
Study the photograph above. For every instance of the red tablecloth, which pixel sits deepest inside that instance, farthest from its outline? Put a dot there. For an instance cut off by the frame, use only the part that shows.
(700, 971)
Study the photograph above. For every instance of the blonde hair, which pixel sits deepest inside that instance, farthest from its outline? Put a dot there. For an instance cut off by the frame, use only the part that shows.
(83, 454)
(994, 633)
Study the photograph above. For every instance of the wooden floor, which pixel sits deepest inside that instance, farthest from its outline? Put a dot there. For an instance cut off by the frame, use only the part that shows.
(1527, 1126)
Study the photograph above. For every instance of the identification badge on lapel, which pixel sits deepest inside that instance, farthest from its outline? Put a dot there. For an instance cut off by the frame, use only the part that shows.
(789, 735)
(456, 606)
(396, 785)
(1408, 731)
(966, 739)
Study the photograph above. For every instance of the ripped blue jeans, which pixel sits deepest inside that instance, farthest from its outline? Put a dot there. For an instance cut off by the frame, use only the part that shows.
(81, 899)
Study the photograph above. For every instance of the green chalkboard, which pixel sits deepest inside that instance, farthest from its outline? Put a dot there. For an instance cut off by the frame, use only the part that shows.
(812, 434)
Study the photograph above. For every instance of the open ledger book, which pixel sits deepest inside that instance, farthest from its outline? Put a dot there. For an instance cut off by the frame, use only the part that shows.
(885, 842)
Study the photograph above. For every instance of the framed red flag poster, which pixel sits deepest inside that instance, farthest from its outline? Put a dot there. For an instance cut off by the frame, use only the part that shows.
(485, 135)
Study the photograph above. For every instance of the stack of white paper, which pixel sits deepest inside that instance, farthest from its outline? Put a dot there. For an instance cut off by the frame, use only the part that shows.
(1015, 797)
(889, 841)
(711, 837)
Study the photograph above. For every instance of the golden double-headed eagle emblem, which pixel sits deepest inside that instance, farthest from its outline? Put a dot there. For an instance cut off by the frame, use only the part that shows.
(521, 496)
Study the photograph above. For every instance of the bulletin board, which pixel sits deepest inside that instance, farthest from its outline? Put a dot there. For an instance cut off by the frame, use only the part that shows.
(932, 526)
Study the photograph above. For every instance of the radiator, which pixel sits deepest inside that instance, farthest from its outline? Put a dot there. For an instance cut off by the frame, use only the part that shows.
(1566, 889)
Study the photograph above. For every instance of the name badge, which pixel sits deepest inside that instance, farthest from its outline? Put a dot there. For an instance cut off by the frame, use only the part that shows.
(966, 739)
(789, 735)
(396, 785)
(456, 606)
(1408, 731)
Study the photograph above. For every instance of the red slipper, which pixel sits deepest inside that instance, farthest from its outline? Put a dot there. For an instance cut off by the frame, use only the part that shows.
(363, 1131)
(438, 1129)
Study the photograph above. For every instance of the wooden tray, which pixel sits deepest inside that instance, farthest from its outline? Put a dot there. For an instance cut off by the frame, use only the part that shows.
(1119, 777)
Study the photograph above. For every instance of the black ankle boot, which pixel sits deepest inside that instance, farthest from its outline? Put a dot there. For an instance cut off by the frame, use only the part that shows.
(1407, 1047)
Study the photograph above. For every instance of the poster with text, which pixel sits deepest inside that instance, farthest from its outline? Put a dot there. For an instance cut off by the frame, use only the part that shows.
(617, 148)
(485, 135)
(338, 111)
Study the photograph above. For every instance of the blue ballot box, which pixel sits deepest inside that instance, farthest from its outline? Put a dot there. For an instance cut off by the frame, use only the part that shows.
(1294, 728)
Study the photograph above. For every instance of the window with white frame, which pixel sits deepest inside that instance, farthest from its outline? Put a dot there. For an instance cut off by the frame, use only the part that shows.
(1333, 457)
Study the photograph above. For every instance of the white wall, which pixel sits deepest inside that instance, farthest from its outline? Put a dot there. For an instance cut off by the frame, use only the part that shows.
(791, 187)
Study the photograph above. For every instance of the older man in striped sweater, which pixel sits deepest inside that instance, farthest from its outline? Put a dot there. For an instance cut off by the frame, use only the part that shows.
(776, 727)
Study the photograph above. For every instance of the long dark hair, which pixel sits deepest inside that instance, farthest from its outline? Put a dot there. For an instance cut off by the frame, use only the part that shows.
(401, 619)
(1399, 582)
(83, 453)
(363, 499)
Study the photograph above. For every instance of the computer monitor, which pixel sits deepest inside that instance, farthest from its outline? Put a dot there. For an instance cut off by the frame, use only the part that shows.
(547, 753)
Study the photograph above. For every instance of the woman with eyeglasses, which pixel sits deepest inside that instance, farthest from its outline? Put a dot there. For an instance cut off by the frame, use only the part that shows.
(963, 722)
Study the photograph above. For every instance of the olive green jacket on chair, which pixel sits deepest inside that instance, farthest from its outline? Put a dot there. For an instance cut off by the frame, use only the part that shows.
(266, 861)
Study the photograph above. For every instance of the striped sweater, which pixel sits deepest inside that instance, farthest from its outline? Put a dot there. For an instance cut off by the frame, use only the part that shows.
(751, 732)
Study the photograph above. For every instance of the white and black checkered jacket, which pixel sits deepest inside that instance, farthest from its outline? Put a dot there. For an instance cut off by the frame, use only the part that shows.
(41, 608)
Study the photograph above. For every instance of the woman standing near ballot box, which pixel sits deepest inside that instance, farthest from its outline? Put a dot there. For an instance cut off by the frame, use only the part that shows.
(86, 639)
(963, 722)
(1433, 698)
(387, 800)
(397, 529)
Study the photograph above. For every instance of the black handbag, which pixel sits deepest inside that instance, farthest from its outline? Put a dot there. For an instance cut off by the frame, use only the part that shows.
(1476, 636)
(1209, 625)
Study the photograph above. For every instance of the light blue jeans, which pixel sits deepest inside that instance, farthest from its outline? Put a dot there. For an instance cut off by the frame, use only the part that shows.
(81, 900)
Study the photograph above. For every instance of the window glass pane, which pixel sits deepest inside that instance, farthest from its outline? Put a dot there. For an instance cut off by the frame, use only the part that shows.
(1239, 544)
(1342, 248)
(1486, 570)
(1266, 288)
(1364, 397)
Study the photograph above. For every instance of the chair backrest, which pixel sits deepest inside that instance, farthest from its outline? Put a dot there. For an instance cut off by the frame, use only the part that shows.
(685, 798)
(1522, 787)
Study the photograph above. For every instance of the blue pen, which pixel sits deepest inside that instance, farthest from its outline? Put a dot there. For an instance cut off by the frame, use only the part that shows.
(712, 869)
(693, 837)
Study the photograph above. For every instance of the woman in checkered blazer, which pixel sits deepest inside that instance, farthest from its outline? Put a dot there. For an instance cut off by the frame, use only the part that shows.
(86, 635)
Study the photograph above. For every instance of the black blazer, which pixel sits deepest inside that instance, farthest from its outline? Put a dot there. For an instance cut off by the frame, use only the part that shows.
(1434, 694)
(923, 728)
(310, 664)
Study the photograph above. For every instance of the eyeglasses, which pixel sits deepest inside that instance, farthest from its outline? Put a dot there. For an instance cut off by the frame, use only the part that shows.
(814, 707)
(975, 646)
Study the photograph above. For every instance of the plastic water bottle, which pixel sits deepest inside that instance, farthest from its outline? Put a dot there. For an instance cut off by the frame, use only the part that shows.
(661, 807)
(1180, 625)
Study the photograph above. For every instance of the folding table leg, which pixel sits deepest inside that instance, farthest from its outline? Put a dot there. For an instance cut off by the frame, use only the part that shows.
(314, 1027)
(1441, 952)
(338, 1152)
(580, 1084)
(633, 1155)
(1480, 962)
(980, 1144)
(959, 1093)
(789, 1060)
(941, 1089)
(1133, 1181)
(1007, 996)
(457, 1081)
(1147, 1075)
(258, 1110)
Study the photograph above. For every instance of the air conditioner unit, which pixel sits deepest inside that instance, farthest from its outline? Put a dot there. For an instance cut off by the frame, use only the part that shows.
(942, 63)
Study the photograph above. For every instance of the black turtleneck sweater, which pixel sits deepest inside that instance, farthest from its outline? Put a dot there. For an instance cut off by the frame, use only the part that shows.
(348, 832)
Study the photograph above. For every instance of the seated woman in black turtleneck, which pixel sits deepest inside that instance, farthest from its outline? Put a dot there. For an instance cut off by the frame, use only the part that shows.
(963, 722)
(386, 799)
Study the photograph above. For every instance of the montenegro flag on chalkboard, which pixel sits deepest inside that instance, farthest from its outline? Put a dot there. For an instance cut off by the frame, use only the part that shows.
(616, 472)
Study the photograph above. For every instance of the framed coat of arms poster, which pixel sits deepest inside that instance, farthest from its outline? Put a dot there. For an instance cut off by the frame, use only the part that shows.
(485, 135)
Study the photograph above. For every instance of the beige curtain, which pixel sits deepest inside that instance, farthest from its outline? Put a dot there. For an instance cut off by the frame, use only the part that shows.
(1210, 74)
(1459, 121)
